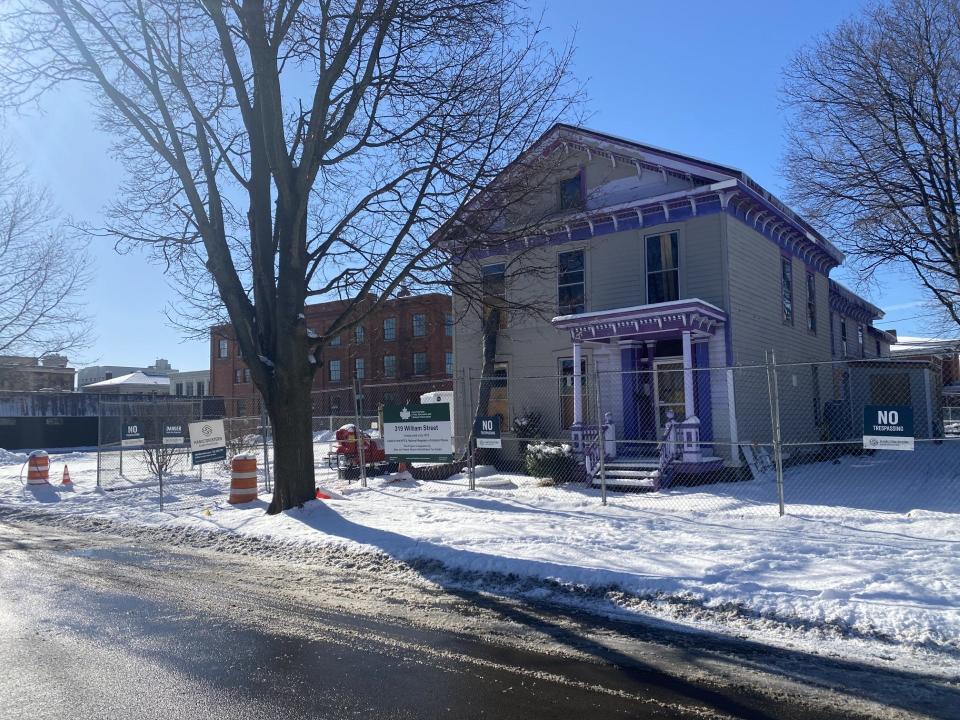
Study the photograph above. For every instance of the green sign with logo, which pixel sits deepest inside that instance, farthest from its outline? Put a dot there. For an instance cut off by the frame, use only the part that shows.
(417, 432)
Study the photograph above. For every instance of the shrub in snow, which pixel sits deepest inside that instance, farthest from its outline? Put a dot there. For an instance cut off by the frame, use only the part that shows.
(527, 426)
(545, 460)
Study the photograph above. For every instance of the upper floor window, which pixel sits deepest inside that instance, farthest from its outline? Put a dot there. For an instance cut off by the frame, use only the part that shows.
(419, 325)
(878, 349)
(238, 376)
(246, 375)
(419, 363)
(448, 363)
(843, 337)
(494, 290)
(389, 366)
(334, 371)
(359, 334)
(570, 282)
(860, 343)
(335, 341)
(663, 268)
(571, 193)
(811, 302)
(223, 349)
(390, 328)
(448, 325)
(786, 289)
(358, 368)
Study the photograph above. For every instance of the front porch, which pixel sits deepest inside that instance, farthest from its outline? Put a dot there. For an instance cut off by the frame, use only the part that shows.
(655, 392)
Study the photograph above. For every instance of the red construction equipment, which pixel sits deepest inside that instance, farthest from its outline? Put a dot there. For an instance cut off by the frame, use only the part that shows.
(347, 446)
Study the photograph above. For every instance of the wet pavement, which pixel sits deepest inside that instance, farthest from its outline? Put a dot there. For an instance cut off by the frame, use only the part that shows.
(97, 626)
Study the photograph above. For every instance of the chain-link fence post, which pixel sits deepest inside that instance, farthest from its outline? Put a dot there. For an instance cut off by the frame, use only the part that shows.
(471, 440)
(99, 436)
(773, 392)
(601, 440)
(266, 457)
(357, 394)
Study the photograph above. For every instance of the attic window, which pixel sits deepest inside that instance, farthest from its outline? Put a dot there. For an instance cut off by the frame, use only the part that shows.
(571, 193)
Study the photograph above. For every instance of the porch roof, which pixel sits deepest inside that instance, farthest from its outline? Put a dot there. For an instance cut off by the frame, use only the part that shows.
(644, 322)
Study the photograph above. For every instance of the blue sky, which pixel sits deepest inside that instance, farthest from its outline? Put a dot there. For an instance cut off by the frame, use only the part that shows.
(699, 77)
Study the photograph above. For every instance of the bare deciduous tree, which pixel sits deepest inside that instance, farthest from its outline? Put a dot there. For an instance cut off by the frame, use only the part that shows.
(295, 150)
(874, 140)
(42, 271)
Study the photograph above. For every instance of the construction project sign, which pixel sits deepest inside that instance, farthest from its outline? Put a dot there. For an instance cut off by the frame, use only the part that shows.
(208, 442)
(888, 427)
(417, 432)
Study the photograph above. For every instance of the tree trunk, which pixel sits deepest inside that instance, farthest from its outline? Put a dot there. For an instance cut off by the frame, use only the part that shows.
(491, 333)
(290, 407)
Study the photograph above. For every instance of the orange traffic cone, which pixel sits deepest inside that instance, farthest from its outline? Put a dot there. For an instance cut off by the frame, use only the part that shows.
(66, 476)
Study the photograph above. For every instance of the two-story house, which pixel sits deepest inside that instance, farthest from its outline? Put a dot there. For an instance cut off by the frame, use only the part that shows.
(672, 276)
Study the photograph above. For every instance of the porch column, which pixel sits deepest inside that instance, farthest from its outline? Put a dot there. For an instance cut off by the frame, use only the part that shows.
(688, 410)
(577, 389)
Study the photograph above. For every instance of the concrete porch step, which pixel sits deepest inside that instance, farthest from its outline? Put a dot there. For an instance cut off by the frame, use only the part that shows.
(632, 473)
(649, 483)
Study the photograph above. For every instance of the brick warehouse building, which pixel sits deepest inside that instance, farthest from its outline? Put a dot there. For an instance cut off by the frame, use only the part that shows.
(409, 337)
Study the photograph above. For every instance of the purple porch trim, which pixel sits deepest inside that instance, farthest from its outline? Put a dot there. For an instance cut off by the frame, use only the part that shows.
(702, 390)
(647, 426)
(656, 321)
(630, 382)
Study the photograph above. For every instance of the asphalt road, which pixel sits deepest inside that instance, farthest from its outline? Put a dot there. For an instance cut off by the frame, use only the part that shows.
(98, 626)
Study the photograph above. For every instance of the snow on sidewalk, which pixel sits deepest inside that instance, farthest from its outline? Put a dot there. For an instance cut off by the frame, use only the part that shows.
(845, 559)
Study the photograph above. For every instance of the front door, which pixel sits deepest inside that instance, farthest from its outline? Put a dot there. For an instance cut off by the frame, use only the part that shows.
(668, 391)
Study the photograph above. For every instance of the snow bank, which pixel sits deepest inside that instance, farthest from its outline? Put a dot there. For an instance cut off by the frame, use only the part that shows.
(12, 458)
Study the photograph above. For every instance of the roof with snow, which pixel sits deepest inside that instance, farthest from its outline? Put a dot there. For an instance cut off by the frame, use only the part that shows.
(134, 378)
(925, 346)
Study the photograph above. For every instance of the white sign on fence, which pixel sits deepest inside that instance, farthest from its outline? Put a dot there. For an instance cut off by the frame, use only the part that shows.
(208, 441)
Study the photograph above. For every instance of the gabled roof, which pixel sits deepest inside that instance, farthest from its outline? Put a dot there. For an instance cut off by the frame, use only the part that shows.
(711, 187)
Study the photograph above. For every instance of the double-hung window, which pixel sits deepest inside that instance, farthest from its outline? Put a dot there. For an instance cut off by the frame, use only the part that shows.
(843, 337)
(359, 334)
(358, 367)
(448, 362)
(419, 325)
(448, 325)
(811, 302)
(493, 287)
(334, 370)
(223, 349)
(570, 283)
(390, 328)
(663, 268)
(389, 366)
(786, 290)
(419, 363)
(571, 193)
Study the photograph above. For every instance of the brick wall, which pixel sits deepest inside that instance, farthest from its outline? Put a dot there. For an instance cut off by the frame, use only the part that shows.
(228, 377)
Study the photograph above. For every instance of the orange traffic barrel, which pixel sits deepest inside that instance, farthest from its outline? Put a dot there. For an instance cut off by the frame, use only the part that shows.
(243, 478)
(38, 468)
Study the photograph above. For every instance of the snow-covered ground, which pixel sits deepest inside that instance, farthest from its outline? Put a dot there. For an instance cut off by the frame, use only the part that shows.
(866, 562)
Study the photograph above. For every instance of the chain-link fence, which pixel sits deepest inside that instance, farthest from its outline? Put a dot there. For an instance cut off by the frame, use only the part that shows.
(146, 443)
(787, 438)
(765, 438)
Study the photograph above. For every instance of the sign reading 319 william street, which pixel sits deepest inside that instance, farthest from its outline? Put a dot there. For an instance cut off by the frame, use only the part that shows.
(417, 432)
(888, 427)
